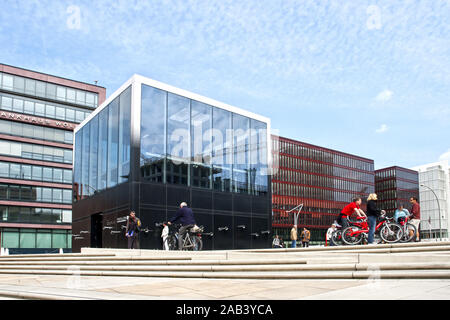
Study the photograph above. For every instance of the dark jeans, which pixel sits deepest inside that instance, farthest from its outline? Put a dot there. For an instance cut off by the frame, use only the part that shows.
(372, 220)
(133, 242)
(182, 232)
(305, 244)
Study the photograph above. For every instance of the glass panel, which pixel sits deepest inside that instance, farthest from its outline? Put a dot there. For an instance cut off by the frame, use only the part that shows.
(7, 103)
(47, 174)
(4, 169)
(59, 239)
(258, 158)
(28, 107)
(77, 165)
(70, 115)
(19, 84)
(7, 82)
(93, 159)
(10, 239)
(60, 93)
(201, 133)
(103, 145)
(18, 105)
(221, 153)
(44, 239)
(27, 239)
(241, 126)
(113, 143)
(39, 109)
(178, 136)
(86, 189)
(30, 86)
(153, 133)
(124, 135)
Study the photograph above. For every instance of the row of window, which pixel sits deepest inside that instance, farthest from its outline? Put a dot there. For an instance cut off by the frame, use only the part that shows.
(396, 172)
(35, 151)
(35, 215)
(37, 132)
(35, 194)
(291, 190)
(396, 184)
(286, 161)
(184, 141)
(47, 90)
(291, 176)
(102, 148)
(36, 173)
(299, 150)
(39, 109)
(36, 238)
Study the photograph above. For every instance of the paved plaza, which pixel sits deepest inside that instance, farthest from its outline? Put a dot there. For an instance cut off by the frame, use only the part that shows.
(138, 288)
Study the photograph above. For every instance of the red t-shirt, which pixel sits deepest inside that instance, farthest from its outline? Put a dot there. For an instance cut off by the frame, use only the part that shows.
(349, 209)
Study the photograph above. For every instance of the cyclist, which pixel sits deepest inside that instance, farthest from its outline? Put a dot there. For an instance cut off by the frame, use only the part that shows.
(186, 218)
(351, 208)
(401, 214)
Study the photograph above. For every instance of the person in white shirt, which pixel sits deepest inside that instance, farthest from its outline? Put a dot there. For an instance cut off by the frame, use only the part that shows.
(164, 236)
(329, 234)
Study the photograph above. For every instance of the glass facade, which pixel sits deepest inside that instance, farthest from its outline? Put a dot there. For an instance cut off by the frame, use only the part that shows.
(194, 144)
(323, 180)
(102, 149)
(171, 146)
(394, 186)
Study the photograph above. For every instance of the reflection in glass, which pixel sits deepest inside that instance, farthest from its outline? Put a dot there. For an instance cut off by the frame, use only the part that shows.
(178, 116)
(124, 135)
(221, 149)
(154, 105)
(201, 136)
(113, 143)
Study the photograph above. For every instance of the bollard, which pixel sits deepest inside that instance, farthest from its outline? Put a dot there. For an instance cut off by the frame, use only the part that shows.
(6, 252)
(61, 251)
(2, 252)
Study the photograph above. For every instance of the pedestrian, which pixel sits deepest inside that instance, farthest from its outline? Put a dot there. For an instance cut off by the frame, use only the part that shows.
(165, 236)
(281, 242)
(132, 230)
(330, 232)
(276, 242)
(415, 215)
(373, 212)
(401, 214)
(306, 235)
(294, 235)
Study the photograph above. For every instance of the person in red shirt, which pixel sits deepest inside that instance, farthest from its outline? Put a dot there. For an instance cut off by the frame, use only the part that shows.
(415, 215)
(349, 210)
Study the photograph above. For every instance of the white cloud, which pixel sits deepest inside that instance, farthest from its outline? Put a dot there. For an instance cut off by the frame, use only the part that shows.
(445, 156)
(384, 95)
(383, 128)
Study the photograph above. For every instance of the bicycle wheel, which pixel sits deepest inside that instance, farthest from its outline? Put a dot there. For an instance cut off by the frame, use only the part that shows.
(391, 232)
(198, 243)
(409, 233)
(352, 235)
(173, 243)
(336, 237)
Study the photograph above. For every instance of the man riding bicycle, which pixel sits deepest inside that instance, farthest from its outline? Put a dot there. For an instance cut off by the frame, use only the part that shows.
(352, 207)
(186, 218)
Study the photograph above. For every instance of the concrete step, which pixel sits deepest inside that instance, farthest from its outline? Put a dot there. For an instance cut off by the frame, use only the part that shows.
(334, 274)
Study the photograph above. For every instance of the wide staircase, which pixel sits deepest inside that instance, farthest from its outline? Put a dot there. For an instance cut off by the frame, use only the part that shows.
(424, 260)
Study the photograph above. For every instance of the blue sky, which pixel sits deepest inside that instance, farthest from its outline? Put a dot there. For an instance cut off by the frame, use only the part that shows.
(370, 78)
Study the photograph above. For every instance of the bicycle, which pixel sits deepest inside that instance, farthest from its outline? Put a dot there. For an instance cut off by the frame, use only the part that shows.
(389, 231)
(409, 230)
(192, 240)
(336, 236)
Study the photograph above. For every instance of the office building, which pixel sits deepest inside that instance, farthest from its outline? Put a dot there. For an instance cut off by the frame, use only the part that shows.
(434, 188)
(38, 113)
(151, 146)
(321, 179)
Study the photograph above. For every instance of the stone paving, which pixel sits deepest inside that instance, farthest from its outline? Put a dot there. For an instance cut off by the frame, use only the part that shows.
(135, 288)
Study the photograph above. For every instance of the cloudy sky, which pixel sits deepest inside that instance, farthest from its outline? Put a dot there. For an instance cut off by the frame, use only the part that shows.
(370, 78)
